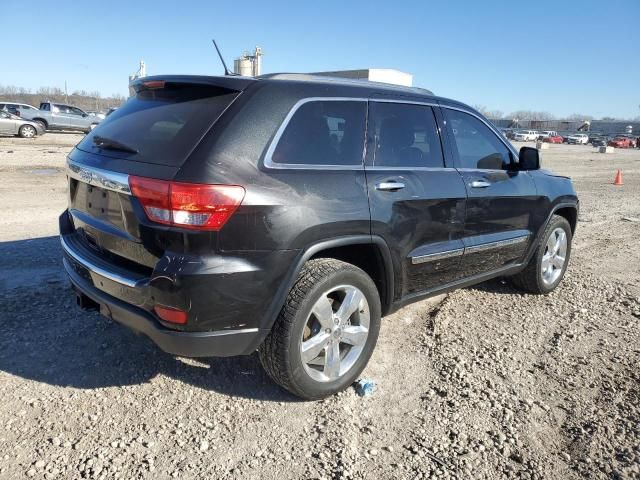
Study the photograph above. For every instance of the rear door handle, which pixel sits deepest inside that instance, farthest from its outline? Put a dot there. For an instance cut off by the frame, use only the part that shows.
(480, 184)
(389, 186)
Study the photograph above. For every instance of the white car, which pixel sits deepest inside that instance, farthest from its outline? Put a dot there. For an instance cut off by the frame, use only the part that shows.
(526, 136)
(578, 139)
(547, 134)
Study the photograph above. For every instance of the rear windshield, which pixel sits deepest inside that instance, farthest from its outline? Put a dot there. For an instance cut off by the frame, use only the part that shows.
(163, 125)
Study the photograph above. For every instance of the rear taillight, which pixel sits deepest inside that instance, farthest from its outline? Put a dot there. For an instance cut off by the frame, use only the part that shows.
(188, 205)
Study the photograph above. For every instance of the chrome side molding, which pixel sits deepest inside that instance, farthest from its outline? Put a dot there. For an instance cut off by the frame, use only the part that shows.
(432, 257)
(117, 182)
(499, 244)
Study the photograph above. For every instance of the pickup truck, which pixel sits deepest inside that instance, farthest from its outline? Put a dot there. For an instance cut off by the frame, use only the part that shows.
(57, 116)
(526, 136)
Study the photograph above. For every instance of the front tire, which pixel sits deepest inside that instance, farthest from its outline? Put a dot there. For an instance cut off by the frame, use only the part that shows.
(326, 331)
(27, 131)
(550, 260)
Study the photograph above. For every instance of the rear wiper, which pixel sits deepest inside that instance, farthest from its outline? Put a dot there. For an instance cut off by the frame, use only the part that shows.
(109, 144)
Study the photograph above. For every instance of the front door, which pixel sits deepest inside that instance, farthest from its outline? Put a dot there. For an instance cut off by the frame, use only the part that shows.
(417, 200)
(60, 116)
(500, 200)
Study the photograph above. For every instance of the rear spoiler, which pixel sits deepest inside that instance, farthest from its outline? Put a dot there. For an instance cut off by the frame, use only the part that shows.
(234, 83)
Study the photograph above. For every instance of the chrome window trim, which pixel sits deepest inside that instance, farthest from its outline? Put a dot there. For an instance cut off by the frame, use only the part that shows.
(510, 147)
(129, 282)
(116, 182)
(498, 244)
(409, 169)
(410, 102)
(432, 257)
(268, 158)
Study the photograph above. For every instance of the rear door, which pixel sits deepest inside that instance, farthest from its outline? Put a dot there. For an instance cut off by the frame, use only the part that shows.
(500, 200)
(8, 126)
(416, 199)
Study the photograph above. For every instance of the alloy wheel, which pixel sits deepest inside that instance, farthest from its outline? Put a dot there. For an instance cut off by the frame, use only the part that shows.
(555, 254)
(335, 333)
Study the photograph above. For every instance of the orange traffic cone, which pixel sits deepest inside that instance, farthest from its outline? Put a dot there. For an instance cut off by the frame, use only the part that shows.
(618, 179)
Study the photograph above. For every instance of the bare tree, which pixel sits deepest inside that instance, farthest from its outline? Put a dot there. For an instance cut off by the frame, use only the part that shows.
(579, 117)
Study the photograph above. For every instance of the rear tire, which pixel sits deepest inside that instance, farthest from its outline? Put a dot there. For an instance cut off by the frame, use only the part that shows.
(41, 122)
(326, 330)
(549, 263)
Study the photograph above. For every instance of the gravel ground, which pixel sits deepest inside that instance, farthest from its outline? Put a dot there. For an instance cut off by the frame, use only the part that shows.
(482, 383)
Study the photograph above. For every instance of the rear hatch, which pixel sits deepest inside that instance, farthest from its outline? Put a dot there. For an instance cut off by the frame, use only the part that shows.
(150, 136)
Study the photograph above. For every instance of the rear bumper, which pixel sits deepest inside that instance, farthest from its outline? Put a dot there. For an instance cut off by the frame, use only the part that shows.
(231, 297)
(221, 343)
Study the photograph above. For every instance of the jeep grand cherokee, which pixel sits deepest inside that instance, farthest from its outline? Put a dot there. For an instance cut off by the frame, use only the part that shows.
(289, 213)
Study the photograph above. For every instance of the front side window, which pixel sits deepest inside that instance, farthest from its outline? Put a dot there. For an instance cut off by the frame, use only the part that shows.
(323, 132)
(478, 147)
(76, 111)
(405, 135)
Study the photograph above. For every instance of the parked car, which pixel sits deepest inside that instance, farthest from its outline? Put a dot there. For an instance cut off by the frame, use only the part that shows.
(578, 139)
(11, 124)
(553, 137)
(526, 135)
(57, 116)
(110, 111)
(545, 134)
(220, 215)
(620, 142)
(22, 110)
(100, 115)
(599, 140)
(508, 133)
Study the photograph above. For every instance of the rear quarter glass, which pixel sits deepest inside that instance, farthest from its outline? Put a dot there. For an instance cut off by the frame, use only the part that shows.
(163, 125)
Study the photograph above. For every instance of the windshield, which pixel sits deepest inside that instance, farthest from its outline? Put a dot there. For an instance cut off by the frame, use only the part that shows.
(160, 126)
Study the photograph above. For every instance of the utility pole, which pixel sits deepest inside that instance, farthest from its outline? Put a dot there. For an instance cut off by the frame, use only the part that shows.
(66, 96)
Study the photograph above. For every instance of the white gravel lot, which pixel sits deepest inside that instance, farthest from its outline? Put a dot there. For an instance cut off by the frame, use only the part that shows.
(483, 383)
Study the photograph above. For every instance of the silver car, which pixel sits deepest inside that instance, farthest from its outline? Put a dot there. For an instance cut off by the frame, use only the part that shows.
(13, 125)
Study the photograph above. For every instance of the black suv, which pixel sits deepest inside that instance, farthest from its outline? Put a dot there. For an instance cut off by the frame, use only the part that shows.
(289, 213)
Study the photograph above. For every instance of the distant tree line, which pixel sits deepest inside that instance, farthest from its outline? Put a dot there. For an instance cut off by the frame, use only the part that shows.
(92, 101)
(531, 115)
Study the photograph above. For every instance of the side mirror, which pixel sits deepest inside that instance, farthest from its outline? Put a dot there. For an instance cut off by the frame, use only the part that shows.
(84, 115)
(528, 159)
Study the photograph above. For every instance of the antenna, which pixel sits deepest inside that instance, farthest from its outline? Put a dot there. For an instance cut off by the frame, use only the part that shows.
(226, 70)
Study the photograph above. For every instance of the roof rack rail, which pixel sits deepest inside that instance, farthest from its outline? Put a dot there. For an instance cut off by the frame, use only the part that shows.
(311, 77)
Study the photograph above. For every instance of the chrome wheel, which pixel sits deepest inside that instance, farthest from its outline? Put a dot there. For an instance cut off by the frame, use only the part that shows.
(335, 333)
(27, 131)
(555, 254)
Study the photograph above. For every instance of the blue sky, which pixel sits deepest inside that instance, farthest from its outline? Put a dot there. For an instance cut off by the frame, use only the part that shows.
(564, 57)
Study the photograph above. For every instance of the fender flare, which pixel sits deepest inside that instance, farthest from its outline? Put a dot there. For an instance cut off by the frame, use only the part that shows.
(284, 288)
(534, 245)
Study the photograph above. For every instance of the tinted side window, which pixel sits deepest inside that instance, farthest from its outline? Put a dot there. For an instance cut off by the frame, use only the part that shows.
(478, 146)
(405, 135)
(324, 133)
(44, 106)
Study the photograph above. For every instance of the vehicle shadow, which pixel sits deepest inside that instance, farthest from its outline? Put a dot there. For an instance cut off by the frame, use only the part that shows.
(496, 285)
(45, 337)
